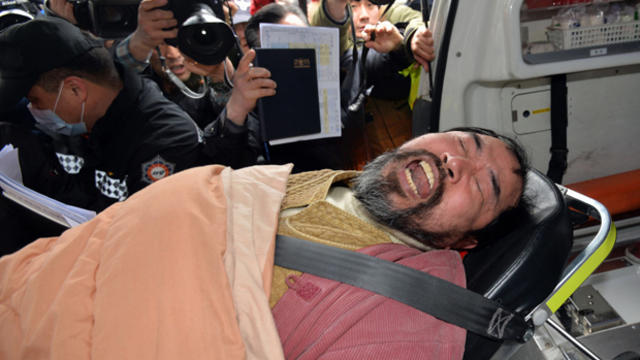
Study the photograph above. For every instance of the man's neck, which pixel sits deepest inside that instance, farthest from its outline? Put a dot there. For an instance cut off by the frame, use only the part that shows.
(99, 103)
(342, 197)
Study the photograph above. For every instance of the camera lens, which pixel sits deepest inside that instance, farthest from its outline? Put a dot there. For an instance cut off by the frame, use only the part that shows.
(202, 40)
(205, 38)
(202, 37)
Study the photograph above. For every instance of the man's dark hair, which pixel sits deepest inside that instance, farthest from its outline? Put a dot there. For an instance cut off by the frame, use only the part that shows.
(270, 14)
(508, 218)
(96, 65)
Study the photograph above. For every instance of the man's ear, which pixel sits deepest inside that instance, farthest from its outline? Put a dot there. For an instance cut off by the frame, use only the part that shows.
(78, 86)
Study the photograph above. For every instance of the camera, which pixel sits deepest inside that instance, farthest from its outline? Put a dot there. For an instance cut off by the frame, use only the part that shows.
(203, 35)
(17, 11)
(109, 19)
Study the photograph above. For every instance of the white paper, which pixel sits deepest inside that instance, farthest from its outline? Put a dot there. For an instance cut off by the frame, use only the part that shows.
(326, 43)
(9, 163)
(13, 189)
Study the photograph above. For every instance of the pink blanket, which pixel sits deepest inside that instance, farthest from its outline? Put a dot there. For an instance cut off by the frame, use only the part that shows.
(164, 275)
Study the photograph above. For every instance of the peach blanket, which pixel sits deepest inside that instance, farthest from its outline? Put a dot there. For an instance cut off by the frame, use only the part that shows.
(181, 270)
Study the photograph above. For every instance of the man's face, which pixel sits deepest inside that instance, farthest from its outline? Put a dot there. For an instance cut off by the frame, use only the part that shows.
(69, 107)
(364, 13)
(174, 60)
(439, 187)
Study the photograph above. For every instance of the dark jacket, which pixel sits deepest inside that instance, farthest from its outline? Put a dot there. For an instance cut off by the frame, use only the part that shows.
(225, 143)
(142, 138)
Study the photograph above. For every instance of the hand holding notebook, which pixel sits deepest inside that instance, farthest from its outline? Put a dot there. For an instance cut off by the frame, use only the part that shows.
(294, 110)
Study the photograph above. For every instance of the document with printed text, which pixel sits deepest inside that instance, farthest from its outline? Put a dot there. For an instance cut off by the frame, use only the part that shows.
(325, 42)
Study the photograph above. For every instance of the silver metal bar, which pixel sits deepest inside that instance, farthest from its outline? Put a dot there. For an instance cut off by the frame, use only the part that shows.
(595, 209)
(605, 224)
(627, 232)
(557, 327)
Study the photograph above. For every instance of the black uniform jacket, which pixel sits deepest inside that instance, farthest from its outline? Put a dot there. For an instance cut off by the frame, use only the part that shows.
(142, 138)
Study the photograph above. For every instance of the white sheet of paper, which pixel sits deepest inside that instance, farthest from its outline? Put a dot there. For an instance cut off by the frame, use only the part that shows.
(325, 41)
(9, 163)
(12, 188)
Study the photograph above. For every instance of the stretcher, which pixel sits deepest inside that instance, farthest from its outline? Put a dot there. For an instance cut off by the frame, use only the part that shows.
(528, 265)
(521, 271)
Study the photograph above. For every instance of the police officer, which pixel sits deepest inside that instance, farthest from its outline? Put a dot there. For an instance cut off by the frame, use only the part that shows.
(110, 133)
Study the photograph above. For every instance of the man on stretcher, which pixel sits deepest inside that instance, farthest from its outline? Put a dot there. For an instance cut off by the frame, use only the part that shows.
(184, 268)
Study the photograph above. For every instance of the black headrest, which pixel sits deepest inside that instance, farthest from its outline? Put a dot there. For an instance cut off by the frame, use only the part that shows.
(521, 267)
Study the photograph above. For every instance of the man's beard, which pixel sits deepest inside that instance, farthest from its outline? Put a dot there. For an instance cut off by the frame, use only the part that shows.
(373, 190)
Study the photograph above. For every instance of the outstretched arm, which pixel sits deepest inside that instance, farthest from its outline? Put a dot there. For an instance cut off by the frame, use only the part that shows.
(383, 37)
(152, 28)
(336, 9)
(422, 46)
(334, 13)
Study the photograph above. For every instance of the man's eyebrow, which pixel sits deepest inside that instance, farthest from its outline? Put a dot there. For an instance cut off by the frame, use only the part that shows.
(477, 140)
(464, 148)
(495, 185)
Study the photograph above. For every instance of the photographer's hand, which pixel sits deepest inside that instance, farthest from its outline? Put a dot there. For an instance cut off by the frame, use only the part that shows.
(64, 9)
(382, 37)
(229, 6)
(249, 85)
(422, 47)
(152, 28)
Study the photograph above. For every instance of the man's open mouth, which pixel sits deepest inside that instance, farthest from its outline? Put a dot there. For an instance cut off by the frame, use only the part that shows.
(177, 69)
(420, 178)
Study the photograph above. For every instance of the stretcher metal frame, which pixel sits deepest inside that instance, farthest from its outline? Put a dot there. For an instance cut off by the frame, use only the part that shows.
(579, 269)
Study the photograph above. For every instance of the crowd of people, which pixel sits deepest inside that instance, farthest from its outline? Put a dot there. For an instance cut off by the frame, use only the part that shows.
(97, 120)
(110, 117)
(219, 99)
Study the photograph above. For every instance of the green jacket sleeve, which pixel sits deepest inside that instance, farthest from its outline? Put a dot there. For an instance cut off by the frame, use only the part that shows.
(321, 18)
(402, 14)
(397, 14)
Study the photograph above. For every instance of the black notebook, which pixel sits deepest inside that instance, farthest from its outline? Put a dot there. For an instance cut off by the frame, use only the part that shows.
(294, 110)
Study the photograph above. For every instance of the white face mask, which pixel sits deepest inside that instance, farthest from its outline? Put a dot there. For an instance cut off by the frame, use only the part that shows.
(51, 122)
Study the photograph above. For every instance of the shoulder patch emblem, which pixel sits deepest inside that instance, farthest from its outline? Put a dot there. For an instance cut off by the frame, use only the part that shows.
(156, 169)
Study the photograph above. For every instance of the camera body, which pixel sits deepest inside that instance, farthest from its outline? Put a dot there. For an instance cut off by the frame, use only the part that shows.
(183, 9)
(203, 35)
(17, 11)
(109, 19)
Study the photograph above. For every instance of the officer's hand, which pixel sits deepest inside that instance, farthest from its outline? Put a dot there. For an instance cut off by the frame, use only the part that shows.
(152, 28)
(382, 37)
(64, 9)
(249, 84)
(422, 46)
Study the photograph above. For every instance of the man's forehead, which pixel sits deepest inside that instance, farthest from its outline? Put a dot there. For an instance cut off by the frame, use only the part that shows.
(425, 138)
